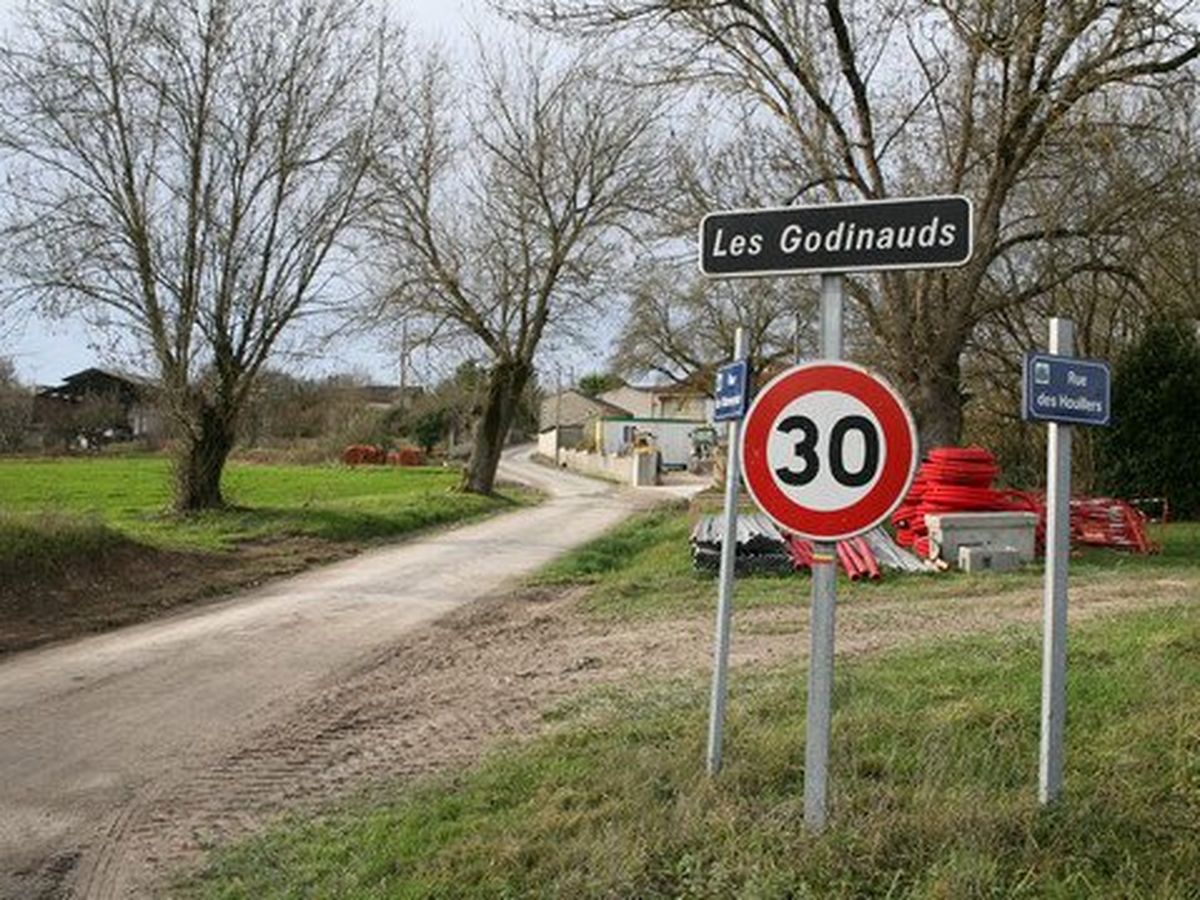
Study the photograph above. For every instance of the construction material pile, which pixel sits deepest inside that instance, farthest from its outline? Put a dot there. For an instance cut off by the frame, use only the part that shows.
(1106, 522)
(854, 556)
(369, 455)
(955, 479)
(761, 548)
(861, 557)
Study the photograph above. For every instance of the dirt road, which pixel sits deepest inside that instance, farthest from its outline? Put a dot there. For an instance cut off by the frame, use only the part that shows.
(91, 729)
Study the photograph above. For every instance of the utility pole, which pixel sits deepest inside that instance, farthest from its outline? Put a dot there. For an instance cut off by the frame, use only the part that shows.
(558, 412)
(403, 364)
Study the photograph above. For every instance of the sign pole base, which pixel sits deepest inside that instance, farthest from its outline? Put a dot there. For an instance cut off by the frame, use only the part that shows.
(819, 711)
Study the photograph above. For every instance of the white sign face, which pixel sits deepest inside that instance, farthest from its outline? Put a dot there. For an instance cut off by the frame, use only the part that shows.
(841, 449)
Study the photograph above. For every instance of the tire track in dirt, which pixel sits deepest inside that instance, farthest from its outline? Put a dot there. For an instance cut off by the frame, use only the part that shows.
(444, 695)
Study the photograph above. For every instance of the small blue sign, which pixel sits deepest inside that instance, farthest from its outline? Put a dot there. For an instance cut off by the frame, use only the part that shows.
(1065, 389)
(732, 383)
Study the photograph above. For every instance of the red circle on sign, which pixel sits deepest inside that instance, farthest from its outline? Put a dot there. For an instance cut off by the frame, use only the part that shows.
(898, 439)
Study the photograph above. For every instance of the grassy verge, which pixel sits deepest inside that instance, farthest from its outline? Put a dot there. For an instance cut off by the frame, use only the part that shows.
(642, 569)
(934, 769)
(75, 534)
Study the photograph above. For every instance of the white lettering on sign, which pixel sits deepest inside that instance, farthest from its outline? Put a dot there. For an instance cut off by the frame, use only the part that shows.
(1076, 379)
(850, 236)
(738, 245)
(1047, 401)
(1079, 404)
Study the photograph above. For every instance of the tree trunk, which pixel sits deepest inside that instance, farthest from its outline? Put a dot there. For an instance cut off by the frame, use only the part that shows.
(506, 381)
(937, 404)
(201, 461)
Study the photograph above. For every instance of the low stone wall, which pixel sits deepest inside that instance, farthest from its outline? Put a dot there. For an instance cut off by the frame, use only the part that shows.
(600, 465)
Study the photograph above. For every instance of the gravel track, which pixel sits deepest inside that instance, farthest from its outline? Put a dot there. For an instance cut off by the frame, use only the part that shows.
(99, 736)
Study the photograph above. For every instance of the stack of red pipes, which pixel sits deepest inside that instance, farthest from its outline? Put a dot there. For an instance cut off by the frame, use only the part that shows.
(953, 479)
(1106, 522)
(854, 554)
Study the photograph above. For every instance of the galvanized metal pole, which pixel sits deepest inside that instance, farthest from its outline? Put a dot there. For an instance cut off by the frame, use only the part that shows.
(557, 413)
(819, 711)
(1054, 605)
(716, 719)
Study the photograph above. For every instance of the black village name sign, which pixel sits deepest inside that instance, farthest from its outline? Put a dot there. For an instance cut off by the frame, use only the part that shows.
(909, 233)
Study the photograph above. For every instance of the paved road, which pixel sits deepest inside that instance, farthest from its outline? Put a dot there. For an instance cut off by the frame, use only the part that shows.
(87, 727)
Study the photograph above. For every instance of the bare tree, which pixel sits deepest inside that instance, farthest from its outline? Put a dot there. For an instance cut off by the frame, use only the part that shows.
(914, 96)
(16, 408)
(681, 327)
(1143, 272)
(185, 170)
(508, 213)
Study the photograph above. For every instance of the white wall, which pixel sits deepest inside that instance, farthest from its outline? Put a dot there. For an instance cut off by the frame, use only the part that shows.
(547, 442)
(683, 406)
(602, 465)
(672, 438)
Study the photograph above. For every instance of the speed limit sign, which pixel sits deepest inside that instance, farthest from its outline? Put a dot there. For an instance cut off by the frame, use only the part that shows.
(829, 450)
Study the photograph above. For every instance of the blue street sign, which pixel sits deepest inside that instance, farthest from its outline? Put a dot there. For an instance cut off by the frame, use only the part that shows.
(732, 383)
(1064, 389)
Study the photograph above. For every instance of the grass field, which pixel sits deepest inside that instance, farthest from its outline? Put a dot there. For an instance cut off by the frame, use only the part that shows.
(75, 533)
(642, 569)
(934, 774)
(132, 496)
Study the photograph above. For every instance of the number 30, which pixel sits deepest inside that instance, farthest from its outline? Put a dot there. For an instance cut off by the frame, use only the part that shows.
(806, 451)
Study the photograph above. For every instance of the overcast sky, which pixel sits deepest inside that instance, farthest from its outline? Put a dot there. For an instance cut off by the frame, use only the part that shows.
(44, 351)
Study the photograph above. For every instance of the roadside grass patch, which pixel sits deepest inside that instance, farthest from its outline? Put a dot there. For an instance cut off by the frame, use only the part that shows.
(934, 777)
(642, 569)
(90, 544)
(33, 546)
(645, 538)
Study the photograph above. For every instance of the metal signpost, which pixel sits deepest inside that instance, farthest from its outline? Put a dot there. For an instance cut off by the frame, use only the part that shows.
(837, 462)
(731, 392)
(829, 451)
(1063, 391)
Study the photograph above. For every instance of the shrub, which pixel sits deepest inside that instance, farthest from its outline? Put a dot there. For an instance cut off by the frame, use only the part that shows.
(1150, 448)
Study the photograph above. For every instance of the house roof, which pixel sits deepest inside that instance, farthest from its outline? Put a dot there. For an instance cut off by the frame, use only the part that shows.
(94, 372)
(602, 406)
(94, 380)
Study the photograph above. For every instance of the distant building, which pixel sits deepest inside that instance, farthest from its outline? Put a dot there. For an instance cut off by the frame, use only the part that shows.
(133, 411)
(387, 396)
(671, 401)
(573, 414)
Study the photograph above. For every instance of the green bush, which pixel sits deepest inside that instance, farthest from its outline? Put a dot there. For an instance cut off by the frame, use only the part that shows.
(1151, 447)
